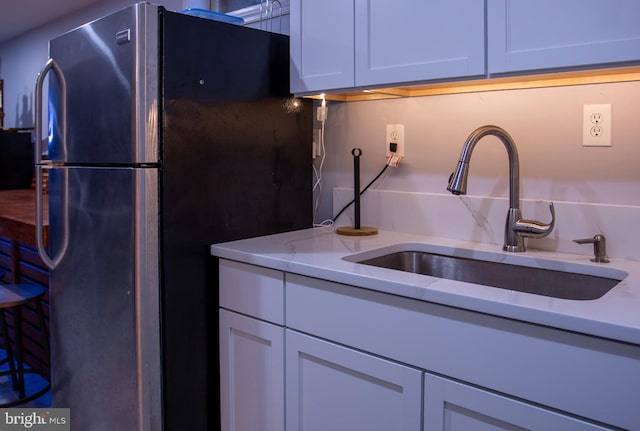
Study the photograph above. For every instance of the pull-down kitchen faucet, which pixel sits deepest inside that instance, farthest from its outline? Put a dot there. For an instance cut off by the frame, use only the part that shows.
(516, 229)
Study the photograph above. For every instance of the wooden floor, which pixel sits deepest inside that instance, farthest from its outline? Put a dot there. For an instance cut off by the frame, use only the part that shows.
(33, 383)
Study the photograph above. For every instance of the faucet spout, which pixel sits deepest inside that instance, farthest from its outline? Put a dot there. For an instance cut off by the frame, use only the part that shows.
(458, 180)
(516, 228)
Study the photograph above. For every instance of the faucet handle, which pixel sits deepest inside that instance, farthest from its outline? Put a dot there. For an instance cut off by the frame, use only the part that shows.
(536, 229)
(599, 247)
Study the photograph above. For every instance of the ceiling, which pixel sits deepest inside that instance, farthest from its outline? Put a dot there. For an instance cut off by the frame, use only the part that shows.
(20, 16)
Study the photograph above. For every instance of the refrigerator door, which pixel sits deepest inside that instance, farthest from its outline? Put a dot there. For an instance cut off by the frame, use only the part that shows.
(110, 71)
(104, 298)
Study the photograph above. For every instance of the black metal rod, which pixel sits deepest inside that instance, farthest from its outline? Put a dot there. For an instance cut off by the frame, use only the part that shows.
(357, 152)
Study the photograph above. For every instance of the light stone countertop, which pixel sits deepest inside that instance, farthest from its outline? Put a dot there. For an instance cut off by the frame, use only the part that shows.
(320, 253)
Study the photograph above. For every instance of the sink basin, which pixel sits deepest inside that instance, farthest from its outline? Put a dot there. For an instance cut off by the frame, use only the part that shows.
(539, 281)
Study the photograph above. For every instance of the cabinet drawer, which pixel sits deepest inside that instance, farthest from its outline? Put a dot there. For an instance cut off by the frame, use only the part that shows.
(252, 290)
(555, 368)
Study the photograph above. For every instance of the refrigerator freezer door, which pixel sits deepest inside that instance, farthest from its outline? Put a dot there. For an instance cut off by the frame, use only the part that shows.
(111, 75)
(104, 298)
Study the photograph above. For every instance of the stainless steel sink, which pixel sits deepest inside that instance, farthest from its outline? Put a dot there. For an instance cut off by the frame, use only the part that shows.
(547, 282)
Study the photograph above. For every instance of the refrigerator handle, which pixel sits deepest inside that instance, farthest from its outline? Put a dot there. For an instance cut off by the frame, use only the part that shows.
(50, 65)
(40, 166)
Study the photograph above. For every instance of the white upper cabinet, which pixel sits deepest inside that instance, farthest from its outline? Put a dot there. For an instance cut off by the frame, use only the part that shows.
(322, 44)
(418, 40)
(339, 44)
(346, 44)
(549, 34)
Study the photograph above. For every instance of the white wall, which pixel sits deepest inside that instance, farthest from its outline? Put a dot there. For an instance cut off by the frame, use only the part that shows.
(546, 125)
(24, 56)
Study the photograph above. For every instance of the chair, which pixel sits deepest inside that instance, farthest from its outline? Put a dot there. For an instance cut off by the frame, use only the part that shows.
(13, 297)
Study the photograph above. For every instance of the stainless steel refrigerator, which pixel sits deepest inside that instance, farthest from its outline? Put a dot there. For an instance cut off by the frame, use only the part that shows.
(167, 133)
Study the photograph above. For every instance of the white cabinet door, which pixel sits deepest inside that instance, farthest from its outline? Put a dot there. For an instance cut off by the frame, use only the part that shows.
(251, 374)
(418, 40)
(452, 406)
(543, 34)
(329, 387)
(322, 45)
(338, 44)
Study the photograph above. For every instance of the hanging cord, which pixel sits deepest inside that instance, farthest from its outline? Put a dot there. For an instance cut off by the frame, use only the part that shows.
(361, 193)
(318, 172)
(322, 117)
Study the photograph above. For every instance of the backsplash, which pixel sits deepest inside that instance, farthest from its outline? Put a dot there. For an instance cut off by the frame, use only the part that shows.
(594, 189)
(482, 219)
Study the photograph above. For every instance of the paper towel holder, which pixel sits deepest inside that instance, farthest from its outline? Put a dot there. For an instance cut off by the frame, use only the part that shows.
(356, 229)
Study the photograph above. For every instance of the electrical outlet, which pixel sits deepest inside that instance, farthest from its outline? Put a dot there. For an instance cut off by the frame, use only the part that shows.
(596, 126)
(395, 135)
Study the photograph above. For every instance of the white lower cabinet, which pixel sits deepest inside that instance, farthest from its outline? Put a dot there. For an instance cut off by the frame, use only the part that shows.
(329, 387)
(251, 374)
(452, 406)
(342, 358)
